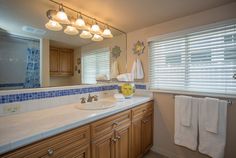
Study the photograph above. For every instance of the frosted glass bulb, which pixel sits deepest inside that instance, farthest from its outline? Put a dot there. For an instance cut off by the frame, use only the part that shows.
(97, 37)
(79, 23)
(107, 33)
(53, 25)
(95, 29)
(86, 34)
(62, 18)
(70, 30)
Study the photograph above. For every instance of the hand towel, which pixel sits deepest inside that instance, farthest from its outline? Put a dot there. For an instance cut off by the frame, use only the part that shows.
(186, 135)
(212, 144)
(185, 109)
(139, 69)
(114, 69)
(212, 109)
(127, 77)
(134, 70)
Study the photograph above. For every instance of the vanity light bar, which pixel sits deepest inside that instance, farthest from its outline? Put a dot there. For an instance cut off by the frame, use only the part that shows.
(84, 15)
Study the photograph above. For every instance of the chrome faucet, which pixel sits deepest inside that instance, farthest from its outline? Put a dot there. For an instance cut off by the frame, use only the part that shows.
(91, 98)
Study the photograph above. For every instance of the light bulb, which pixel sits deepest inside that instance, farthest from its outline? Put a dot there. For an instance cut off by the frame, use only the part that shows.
(86, 34)
(61, 16)
(107, 33)
(80, 24)
(95, 29)
(97, 38)
(53, 25)
(70, 30)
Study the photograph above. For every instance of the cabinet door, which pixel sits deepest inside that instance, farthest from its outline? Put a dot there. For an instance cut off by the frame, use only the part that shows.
(54, 61)
(123, 143)
(147, 133)
(137, 138)
(104, 147)
(66, 62)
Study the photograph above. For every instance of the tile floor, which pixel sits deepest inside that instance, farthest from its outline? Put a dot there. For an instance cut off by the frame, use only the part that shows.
(151, 154)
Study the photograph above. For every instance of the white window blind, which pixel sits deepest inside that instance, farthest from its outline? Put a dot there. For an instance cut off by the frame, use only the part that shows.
(94, 63)
(203, 61)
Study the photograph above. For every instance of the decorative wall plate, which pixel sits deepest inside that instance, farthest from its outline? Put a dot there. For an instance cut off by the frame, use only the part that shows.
(138, 48)
(116, 52)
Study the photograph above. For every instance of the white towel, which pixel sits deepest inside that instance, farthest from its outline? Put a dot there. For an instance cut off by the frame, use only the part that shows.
(114, 69)
(185, 103)
(137, 70)
(210, 143)
(212, 117)
(186, 135)
(139, 74)
(134, 70)
(127, 77)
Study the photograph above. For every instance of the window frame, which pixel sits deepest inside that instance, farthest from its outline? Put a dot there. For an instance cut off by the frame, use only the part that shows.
(92, 51)
(179, 34)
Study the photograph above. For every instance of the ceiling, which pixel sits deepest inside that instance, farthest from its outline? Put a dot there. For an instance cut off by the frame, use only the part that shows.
(127, 15)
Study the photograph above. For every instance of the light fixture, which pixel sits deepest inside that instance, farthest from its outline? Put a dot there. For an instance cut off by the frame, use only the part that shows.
(95, 29)
(79, 23)
(85, 34)
(61, 16)
(58, 19)
(53, 25)
(107, 33)
(71, 30)
(97, 38)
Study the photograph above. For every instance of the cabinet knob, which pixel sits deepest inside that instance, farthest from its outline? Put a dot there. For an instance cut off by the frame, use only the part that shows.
(115, 123)
(118, 137)
(114, 139)
(145, 121)
(50, 151)
(144, 110)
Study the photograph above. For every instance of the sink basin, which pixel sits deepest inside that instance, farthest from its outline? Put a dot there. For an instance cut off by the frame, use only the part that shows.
(99, 105)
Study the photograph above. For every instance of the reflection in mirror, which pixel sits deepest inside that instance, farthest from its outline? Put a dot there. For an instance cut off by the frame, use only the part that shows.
(33, 56)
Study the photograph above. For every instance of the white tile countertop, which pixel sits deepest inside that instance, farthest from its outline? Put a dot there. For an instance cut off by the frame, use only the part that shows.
(22, 129)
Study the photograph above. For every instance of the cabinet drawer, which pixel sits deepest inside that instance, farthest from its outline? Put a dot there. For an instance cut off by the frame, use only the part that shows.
(111, 123)
(57, 145)
(143, 110)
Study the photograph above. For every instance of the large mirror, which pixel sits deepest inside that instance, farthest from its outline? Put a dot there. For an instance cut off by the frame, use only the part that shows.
(32, 56)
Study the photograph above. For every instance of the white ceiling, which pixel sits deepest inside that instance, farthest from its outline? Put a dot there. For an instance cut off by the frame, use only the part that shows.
(127, 15)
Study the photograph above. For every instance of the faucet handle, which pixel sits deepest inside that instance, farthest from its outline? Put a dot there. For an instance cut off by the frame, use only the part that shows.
(95, 98)
(83, 100)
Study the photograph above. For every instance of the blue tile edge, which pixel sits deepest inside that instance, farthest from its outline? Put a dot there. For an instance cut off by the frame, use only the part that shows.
(11, 98)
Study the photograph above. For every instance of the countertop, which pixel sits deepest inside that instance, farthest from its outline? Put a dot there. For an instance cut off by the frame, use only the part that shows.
(22, 129)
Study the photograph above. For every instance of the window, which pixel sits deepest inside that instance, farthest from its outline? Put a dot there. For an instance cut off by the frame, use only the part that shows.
(94, 63)
(202, 61)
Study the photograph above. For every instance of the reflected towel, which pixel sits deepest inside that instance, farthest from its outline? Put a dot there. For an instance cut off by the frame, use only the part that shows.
(114, 69)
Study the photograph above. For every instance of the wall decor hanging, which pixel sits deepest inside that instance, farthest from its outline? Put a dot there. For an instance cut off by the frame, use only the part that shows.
(138, 48)
(115, 51)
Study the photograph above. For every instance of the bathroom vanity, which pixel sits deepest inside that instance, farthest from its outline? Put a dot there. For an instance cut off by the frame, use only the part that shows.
(121, 132)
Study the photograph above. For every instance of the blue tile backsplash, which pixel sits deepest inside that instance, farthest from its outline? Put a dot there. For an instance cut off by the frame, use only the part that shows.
(57, 93)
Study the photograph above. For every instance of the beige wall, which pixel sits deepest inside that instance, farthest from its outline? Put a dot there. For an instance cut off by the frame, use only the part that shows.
(164, 103)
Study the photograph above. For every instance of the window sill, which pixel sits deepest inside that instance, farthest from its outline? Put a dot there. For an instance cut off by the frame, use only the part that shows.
(200, 94)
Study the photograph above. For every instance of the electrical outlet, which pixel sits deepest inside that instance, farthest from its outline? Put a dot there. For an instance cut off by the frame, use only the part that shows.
(11, 108)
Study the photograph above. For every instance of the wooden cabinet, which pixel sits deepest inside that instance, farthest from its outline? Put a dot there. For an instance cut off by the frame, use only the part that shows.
(74, 143)
(142, 129)
(111, 137)
(123, 135)
(61, 61)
